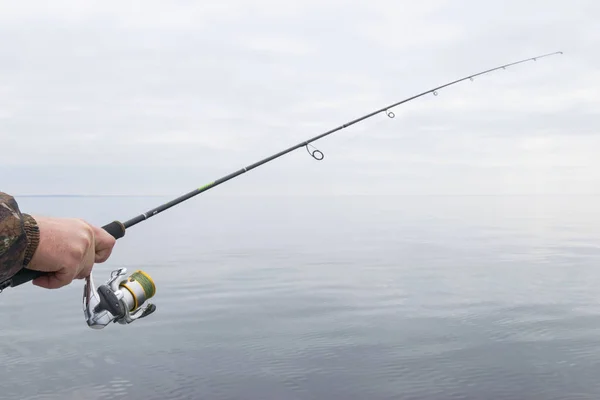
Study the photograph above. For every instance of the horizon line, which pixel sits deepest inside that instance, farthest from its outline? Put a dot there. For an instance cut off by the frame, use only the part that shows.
(311, 194)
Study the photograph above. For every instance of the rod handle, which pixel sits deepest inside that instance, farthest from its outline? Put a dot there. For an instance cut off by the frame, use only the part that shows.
(116, 229)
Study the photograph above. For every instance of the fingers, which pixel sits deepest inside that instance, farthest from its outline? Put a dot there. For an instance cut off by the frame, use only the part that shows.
(53, 280)
(88, 263)
(102, 256)
(68, 250)
(104, 242)
(63, 277)
(98, 253)
(84, 274)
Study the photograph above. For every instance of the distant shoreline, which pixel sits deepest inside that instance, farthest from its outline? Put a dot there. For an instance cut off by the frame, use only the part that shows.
(173, 195)
(90, 195)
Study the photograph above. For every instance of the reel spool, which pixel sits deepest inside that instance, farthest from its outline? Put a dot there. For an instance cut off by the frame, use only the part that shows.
(121, 299)
(136, 289)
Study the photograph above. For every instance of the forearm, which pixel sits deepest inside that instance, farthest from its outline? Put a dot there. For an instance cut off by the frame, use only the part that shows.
(19, 237)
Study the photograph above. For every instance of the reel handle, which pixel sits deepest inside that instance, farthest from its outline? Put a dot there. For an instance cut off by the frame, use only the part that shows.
(116, 229)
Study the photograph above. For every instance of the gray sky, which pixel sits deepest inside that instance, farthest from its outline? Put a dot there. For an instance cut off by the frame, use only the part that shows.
(107, 97)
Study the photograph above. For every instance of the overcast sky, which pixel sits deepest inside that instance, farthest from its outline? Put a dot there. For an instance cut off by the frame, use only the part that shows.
(117, 97)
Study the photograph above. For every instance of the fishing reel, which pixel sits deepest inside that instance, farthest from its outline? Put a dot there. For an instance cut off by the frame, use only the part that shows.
(121, 299)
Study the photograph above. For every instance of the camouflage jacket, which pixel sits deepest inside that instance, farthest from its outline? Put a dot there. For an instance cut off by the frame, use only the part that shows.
(19, 237)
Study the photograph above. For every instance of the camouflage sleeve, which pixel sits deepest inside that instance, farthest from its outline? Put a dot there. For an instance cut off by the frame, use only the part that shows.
(19, 237)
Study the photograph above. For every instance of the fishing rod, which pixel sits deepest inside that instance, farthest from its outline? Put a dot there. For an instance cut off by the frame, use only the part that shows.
(110, 303)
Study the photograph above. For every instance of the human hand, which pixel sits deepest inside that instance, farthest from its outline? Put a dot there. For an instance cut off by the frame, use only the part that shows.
(67, 250)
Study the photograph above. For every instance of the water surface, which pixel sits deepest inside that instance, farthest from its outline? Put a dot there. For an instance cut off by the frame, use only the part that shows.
(408, 297)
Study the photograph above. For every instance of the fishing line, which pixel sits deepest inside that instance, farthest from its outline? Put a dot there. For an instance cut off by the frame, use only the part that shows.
(117, 229)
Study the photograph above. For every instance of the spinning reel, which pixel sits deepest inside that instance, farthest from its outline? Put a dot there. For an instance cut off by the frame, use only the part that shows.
(121, 299)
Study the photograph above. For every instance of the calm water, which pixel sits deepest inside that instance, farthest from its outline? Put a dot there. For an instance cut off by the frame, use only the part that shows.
(326, 297)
